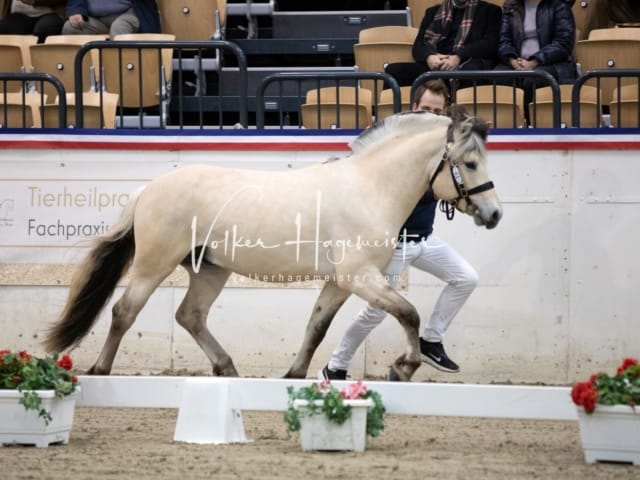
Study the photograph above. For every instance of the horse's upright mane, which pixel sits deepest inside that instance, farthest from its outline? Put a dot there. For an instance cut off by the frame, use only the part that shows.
(405, 123)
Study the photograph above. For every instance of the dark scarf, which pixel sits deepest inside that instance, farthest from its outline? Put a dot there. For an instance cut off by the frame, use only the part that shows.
(441, 25)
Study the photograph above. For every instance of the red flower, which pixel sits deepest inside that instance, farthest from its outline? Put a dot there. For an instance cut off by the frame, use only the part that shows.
(24, 356)
(65, 362)
(584, 394)
(16, 379)
(626, 363)
(74, 379)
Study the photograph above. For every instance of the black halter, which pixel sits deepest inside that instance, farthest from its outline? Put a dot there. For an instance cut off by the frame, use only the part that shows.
(449, 206)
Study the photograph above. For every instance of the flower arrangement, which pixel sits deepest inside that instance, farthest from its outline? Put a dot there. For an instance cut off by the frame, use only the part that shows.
(603, 389)
(332, 405)
(23, 372)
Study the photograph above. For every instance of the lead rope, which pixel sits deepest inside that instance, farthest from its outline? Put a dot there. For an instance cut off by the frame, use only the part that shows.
(448, 209)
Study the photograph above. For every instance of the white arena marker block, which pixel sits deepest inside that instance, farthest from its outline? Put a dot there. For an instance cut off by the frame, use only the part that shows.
(205, 414)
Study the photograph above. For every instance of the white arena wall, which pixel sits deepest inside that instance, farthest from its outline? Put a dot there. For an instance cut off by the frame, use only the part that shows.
(559, 277)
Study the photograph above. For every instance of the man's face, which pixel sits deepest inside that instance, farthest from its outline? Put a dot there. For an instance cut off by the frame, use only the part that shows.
(430, 102)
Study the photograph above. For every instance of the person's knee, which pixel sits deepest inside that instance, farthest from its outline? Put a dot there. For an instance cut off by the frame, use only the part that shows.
(468, 281)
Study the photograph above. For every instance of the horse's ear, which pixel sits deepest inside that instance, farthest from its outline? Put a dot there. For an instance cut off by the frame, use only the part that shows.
(481, 127)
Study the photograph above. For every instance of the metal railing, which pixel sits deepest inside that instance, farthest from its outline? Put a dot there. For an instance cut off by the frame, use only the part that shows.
(320, 79)
(200, 102)
(618, 74)
(512, 78)
(30, 84)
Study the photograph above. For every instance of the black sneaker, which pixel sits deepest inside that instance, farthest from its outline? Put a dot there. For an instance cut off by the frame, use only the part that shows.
(433, 353)
(327, 374)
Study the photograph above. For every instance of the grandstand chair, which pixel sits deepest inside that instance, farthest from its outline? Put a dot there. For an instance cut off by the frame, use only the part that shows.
(93, 115)
(608, 54)
(627, 107)
(615, 33)
(379, 46)
(141, 77)
(580, 10)
(18, 110)
(195, 20)
(542, 115)
(338, 107)
(81, 40)
(384, 107)
(58, 59)
(498, 108)
(11, 61)
(22, 41)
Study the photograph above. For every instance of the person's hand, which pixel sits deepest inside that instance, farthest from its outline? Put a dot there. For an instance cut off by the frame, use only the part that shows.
(529, 64)
(76, 21)
(515, 63)
(451, 62)
(435, 61)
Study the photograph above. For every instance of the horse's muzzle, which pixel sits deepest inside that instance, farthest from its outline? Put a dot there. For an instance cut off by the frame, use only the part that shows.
(488, 219)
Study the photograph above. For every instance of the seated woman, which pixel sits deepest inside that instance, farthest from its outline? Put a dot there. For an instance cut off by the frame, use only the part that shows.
(455, 35)
(538, 35)
(32, 17)
(114, 17)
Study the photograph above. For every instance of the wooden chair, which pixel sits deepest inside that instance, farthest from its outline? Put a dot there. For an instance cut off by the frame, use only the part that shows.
(385, 104)
(337, 107)
(93, 115)
(615, 33)
(417, 9)
(608, 54)
(379, 46)
(140, 76)
(193, 20)
(628, 107)
(94, 74)
(58, 59)
(590, 116)
(503, 108)
(22, 41)
(11, 61)
(20, 111)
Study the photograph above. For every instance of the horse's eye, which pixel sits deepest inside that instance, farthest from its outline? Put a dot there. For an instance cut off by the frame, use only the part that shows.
(471, 165)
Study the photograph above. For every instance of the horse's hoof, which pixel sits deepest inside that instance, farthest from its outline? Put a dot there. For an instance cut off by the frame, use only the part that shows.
(393, 376)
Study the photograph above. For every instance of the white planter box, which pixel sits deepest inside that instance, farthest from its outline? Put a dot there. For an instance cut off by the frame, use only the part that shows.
(610, 433)
(318, 433)
(21, 426)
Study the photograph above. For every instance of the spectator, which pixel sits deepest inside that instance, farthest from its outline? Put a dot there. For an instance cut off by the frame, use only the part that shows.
(455, 35)
(32, 17)
(538, 35)
(603, 12)
(420, 247)
(114, 17)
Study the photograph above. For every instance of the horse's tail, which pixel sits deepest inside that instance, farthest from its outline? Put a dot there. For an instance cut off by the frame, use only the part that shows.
(94, 282)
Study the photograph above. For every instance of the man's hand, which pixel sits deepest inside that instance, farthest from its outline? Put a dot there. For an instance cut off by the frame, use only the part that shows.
(451, 62)
(76, 21)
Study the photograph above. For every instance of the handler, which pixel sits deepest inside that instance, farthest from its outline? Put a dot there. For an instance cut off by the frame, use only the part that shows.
(420, 247)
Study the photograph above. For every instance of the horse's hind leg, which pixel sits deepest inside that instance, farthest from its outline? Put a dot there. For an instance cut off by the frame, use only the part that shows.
(204, 288)
(329, 301)
(124, 313)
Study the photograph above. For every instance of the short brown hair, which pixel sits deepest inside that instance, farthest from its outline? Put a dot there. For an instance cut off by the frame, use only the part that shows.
(435, 85)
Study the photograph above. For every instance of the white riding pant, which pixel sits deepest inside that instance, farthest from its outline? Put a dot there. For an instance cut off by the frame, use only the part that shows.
(434, 256)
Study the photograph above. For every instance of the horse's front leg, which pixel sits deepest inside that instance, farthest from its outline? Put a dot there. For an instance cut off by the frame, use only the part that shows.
(329, 301)
(371, 285)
